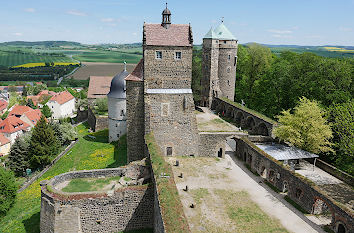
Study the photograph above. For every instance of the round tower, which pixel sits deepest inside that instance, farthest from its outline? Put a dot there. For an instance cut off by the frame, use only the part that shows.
(227, 61)
(117, 120)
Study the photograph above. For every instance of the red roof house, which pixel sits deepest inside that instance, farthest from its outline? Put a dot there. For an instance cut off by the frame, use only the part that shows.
(19, 110)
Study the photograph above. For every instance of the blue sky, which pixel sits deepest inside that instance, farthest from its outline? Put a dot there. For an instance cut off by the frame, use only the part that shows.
(301, 22)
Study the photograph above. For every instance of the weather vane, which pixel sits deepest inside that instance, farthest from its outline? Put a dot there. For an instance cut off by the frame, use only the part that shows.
(222, 19)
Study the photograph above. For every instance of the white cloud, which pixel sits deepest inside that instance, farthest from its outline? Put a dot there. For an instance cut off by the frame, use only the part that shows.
(30, 10)
(281, 36)
(135, 34)
(17, 34)
(345, 29)
(280, 31)
(107, 20)
(76, 13)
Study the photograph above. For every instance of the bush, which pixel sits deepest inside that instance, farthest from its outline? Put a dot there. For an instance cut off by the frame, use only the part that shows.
(8, 190)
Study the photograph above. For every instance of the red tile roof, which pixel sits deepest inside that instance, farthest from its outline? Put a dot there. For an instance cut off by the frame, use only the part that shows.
(3, 140)
(175, 35)
(137, 74)
(33, 115)
(62, 97)
(99, 86)
(19, 110)
(3, 104)
(12, 124)
(46, 92)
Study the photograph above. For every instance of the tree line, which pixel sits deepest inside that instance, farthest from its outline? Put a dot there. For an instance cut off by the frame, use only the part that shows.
(275, 85)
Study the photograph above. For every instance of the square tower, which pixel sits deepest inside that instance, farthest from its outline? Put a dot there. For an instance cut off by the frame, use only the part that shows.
(168, 99)
(219, 65)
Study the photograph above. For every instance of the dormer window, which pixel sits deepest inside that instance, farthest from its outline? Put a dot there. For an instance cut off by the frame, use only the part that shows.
(158, 54)
(178, 55)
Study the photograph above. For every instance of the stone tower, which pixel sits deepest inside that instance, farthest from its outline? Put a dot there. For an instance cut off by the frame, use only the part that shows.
(159, 94)
(117, 125)
(168, 98)
(219, 65)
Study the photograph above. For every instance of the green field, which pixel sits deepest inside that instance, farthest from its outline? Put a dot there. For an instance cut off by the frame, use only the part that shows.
(86, 154)
(14, 58)
(108, 56)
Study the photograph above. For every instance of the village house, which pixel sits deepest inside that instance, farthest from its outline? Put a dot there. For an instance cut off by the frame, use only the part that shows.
(4, 145)
(31, 117)
(37, 99)
(19, 110)
(99, 87)
(13, 127)
(62, 105)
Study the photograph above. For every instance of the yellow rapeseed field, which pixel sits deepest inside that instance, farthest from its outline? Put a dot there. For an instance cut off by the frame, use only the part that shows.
(30, 65)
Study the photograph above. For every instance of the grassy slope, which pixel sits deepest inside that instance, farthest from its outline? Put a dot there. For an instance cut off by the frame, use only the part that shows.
(86, 154)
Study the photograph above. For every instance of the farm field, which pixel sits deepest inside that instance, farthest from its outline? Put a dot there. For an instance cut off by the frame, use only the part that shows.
(28, 65)
(9, 58)
(108, 56)
(99, 69)
(86, 154)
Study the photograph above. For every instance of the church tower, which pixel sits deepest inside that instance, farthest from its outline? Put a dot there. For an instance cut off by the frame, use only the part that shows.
(219, 65)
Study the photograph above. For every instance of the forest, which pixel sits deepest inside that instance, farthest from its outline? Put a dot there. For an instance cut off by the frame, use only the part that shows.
(270, 83)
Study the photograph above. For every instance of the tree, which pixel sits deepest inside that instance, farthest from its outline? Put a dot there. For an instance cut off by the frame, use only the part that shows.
(64, 132)
(197, 75)
(12, 89)
(31, 104)
(18, 157)
(306, 127)
(8, 190)
(46, 111)
(342, 118)
(43, 144)
(101, 105)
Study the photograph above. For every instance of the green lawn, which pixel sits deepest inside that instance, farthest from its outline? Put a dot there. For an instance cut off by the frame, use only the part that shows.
(89, 184)
(86, 154)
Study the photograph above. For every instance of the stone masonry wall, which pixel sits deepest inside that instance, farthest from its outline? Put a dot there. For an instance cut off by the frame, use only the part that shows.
(227, 69)
(172, 119)
(95, 122)
(210, 66)
(211, 144)
(299, 190)
(135, 120)
(167, 72)
(125, 209)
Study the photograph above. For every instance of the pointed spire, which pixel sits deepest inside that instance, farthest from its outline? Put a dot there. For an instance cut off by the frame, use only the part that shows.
(166, 18)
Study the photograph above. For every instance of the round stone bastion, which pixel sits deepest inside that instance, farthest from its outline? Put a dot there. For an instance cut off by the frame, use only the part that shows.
(125, 203)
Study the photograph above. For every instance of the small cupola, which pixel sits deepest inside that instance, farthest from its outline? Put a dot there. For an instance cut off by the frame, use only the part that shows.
(166, 18)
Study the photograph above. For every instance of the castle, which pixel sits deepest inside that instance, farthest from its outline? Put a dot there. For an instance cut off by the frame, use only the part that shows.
(159, 94)
(157, 97)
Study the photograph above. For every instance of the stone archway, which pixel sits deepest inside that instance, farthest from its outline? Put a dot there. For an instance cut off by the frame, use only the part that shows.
(285, 188)
(341, 228)
(229, 112)
(250, 124)
(262, 129)
(263, 172)
(239, 118)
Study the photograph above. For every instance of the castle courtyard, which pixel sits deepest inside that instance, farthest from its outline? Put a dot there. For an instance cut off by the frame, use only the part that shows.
(228, 198)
